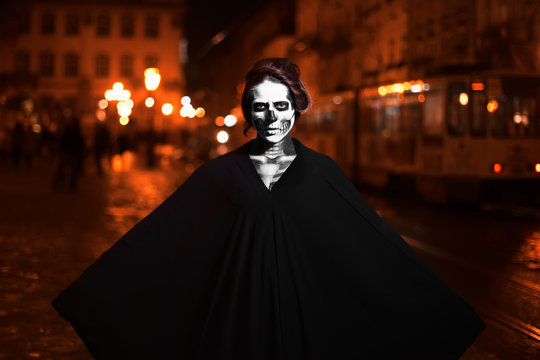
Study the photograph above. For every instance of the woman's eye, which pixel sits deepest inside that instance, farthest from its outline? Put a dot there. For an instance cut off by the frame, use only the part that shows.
(281, 106)
(259, 106)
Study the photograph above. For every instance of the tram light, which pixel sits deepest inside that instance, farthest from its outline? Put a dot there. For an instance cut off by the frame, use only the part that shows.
(463, 98)
(492, 106)
(537, 168)
(416, 88)
(382, 91)
(497, 168)
(478, 86)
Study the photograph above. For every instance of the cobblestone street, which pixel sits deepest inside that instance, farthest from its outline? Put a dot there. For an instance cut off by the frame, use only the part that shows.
(47, 238)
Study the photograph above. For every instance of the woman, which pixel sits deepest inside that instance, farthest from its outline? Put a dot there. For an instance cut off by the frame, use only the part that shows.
(267, 252)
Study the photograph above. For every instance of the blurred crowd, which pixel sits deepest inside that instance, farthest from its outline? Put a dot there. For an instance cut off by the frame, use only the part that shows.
(73, 150)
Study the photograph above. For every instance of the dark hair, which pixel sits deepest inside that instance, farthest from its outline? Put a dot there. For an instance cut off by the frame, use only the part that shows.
(281, 70)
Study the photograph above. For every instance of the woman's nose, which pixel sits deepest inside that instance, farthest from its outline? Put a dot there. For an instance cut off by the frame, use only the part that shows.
(272, 115)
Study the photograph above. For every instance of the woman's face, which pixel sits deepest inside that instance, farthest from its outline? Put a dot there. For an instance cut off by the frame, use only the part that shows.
(272, 111)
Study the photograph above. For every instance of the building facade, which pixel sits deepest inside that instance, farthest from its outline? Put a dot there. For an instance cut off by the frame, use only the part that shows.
(70, 53)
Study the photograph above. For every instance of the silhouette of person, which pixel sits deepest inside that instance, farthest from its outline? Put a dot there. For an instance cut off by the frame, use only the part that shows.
(70, 152)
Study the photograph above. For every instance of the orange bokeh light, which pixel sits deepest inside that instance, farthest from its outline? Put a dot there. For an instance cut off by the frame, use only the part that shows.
(497, 168)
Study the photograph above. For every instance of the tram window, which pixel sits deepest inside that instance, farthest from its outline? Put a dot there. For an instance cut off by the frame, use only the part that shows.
(432, 119)
(516, 113)
(372, 118)
(478, 119)
(497, 118)
(390, 123)
(458, 108)
(412, 116)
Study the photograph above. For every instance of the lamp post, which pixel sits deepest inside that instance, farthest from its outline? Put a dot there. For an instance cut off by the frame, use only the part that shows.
(152, 78)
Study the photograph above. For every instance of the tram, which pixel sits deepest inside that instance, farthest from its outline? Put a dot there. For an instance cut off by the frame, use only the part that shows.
(452, 138)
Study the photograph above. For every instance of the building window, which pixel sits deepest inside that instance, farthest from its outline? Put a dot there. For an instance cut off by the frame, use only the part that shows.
(72, 24)
(150, 61)
(46, 64)
(24, 22)
(47, 22)
(127, 25)
(71, 65)
(22, 62)
(151, 26)
(102, 65)
(126, 66)
(103, 24)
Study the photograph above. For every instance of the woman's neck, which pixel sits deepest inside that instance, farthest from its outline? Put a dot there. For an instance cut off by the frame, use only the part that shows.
(284, 147)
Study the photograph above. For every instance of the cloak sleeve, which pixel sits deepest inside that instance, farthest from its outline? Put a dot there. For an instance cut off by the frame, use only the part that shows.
(456, 323)
(128, 305)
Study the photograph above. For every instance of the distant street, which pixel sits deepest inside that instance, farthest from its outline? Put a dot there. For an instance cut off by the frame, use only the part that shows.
(489, 255)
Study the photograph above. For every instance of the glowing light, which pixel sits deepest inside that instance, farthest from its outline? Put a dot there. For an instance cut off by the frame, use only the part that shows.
(123, 108)
(129, 103)
(191, 112)
(222, 137)
(101, 115)
(36, 128)
(230, 120)
(184, 111)
(124, 95)
(416, 88)
(382, 91)
(497, 168)
(492, 106)
(186, 100)
(152, 78)
(426, 87)
(200, 112)
(517, 118)
(407, 86)
(124, 120)
(117, 163)
(421, 98)
(478, 86)
(463, 98)
(149, 102)
(167, 109)
(103, 104)
(109, 95)
(117, 93)
(537, 167)
(398, 88)
(337, 100)
(220, 121)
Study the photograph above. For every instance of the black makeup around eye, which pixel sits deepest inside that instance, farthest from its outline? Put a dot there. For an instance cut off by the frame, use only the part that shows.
(281, 105)
(260, 106)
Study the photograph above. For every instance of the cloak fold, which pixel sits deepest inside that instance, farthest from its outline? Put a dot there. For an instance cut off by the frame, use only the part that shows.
(227, 269)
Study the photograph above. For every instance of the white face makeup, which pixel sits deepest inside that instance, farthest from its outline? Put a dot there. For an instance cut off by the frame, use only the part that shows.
(272, 111)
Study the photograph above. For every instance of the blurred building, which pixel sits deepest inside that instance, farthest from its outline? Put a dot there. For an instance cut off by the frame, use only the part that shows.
(68, 53)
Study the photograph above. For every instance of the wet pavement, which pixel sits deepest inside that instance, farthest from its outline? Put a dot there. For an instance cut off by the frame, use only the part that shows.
(47, 238)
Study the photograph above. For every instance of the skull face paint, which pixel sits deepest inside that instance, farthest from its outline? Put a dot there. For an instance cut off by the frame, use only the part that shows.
(272, 111)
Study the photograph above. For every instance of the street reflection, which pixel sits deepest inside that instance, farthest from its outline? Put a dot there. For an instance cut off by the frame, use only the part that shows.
(529, 253)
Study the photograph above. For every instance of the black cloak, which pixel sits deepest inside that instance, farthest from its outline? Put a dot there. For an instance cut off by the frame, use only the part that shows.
(227, 269)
